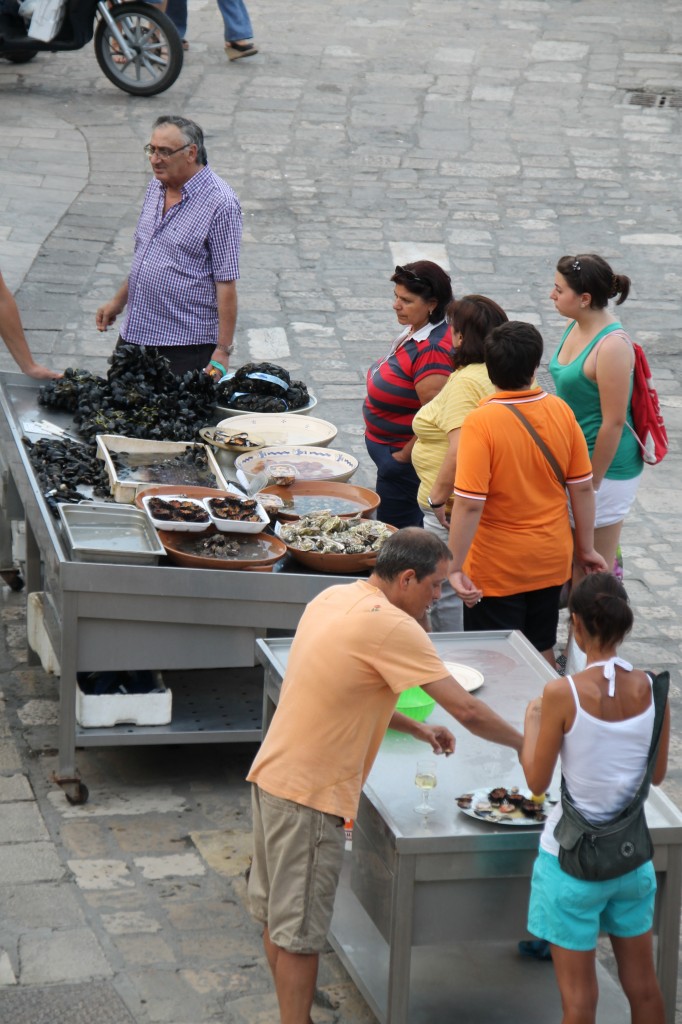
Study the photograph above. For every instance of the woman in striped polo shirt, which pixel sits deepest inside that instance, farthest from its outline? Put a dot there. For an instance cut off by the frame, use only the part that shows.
(416, 367)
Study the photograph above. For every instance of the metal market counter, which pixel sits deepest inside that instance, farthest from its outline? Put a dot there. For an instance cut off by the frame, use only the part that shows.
(125, 617)
(428, 915)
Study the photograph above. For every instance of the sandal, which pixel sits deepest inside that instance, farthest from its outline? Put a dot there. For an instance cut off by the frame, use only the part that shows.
(235, 51)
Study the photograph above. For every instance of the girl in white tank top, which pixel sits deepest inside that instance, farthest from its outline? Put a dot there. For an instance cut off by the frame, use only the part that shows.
(600, 724)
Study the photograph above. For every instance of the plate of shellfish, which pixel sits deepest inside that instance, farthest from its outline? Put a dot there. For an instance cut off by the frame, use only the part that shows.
(501, 806)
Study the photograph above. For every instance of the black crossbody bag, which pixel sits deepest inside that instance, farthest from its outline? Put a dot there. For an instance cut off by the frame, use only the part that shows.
(595, 853)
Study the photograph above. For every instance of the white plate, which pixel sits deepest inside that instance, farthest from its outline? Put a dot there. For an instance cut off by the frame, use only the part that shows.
(310, 463)
(282, 428)
(515, 820)
(469, 678)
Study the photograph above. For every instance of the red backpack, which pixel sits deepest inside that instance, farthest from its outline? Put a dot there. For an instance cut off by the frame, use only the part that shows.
(649, 428)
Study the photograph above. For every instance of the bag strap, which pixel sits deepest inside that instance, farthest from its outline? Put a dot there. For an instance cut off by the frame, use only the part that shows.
(540, 443)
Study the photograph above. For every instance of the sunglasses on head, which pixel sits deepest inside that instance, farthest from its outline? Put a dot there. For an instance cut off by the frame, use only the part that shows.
(410, 274)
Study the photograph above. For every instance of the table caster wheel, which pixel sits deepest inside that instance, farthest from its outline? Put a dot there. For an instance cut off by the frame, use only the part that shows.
(77, 794)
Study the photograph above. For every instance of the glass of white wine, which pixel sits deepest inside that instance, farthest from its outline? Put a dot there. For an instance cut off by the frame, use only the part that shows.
(425, 780)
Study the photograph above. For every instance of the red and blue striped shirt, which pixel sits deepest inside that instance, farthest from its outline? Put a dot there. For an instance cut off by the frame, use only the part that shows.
(392, 398)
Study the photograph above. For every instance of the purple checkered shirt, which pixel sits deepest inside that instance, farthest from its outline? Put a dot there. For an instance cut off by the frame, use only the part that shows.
(178, 260)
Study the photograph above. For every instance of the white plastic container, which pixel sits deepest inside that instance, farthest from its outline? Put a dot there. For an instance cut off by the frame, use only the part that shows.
(97, 711)
(237, 525)
(165, 524)
(127, 490)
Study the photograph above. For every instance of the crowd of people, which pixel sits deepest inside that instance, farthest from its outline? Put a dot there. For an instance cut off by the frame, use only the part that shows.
(501, 493)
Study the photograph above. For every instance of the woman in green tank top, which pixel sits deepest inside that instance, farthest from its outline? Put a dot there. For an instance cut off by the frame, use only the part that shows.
(592, 371)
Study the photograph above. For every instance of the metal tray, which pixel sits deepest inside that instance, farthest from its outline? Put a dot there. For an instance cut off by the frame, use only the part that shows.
(94, 534)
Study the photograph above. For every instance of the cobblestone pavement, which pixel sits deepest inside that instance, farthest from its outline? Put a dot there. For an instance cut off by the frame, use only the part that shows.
(492, 136)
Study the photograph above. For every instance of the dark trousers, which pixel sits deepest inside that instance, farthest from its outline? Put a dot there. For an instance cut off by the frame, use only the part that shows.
(397, 485)
(535, 613)
(181, 357)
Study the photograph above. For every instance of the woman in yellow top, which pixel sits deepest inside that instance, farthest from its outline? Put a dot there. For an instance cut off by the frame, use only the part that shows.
(437, 427)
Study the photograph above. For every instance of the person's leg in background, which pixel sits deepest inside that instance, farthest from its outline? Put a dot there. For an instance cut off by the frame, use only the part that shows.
(397, 485)
(177, 12)
(238, 31)
(446, 613)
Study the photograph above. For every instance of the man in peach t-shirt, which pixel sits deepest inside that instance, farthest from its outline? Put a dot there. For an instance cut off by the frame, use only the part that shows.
(357, 647)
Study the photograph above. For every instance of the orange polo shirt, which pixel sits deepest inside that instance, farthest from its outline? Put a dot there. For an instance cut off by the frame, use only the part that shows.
(523, 541)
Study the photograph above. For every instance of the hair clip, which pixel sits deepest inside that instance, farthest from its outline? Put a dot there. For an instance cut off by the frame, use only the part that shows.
(576, 265)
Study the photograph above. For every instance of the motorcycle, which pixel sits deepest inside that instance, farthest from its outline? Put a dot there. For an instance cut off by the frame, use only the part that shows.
(137, 46)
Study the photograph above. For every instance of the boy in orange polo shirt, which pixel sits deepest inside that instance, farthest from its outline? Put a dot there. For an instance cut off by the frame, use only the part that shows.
(509, 533)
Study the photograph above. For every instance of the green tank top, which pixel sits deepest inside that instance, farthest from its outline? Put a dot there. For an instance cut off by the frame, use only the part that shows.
(582, 394)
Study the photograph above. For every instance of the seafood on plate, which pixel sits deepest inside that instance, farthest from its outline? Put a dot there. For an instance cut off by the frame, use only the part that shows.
(321, 531)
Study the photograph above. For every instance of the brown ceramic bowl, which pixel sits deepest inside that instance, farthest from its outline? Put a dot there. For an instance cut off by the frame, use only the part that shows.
(182, 549)
(331, 563)
(304, 495)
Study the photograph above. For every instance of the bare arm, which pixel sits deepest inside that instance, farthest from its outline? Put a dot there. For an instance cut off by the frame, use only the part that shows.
(404, 454)
(473, 714)
(12, 332)
(543, 735)
(430, 386)
(445, 481)
(441, 739)
(107, 313)
(466, 515)
(226, 297)
(581, 496)
(613, 366)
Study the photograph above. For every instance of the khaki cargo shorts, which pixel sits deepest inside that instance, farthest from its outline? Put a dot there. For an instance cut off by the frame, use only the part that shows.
(297, 855)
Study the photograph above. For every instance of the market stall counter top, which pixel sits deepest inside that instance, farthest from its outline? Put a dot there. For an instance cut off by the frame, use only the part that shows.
(430, 910)
(137, 617)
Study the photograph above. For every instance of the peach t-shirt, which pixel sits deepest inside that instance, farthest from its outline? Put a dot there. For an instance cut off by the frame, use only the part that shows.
(353, 654)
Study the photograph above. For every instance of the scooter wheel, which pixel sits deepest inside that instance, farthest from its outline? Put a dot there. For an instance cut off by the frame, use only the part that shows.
(153, 38)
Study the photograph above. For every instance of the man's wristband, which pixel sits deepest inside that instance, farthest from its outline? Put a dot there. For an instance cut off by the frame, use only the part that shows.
(225, 348)
(434, 504)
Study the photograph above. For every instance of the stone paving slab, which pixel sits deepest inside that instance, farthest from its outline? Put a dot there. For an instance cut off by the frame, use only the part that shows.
(64, 1004)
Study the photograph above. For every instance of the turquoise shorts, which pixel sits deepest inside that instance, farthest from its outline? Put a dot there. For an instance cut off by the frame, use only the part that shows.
(570, 913)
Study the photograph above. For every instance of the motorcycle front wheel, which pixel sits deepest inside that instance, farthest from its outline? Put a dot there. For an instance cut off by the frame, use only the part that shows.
(157, 50)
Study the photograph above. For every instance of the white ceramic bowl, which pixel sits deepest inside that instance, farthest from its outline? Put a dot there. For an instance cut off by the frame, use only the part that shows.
(310, 463)
(237, 525)
(282, 428)
(170, 526)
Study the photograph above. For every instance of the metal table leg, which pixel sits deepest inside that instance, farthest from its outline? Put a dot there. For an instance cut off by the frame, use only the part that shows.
(667, 959)
(400, 942)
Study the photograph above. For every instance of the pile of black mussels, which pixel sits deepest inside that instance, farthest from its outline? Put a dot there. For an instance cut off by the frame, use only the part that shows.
(140, 397)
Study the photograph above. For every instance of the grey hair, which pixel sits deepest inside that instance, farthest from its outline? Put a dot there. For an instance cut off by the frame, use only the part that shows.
(411, 548)
(190, 131)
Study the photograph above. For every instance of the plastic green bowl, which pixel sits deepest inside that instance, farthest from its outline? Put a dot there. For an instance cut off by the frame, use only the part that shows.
(415, 703)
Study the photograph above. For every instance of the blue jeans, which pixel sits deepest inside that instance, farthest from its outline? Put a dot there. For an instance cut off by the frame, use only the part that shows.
(177, 12)
(397, 485)
(236, 18)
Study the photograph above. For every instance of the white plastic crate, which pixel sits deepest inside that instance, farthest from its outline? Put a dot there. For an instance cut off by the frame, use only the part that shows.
(97, 711)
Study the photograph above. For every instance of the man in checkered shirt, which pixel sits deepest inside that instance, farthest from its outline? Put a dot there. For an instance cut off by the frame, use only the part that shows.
(181, 293)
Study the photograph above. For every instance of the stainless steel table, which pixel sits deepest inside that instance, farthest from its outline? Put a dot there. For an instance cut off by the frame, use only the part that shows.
(413, 889)
(142, 617)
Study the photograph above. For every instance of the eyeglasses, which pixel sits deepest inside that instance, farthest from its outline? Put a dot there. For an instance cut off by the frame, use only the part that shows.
(410, 275)
(162, 151)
